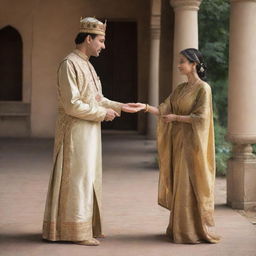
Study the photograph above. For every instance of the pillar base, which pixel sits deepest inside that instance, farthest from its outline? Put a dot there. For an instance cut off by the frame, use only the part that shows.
(241, 185)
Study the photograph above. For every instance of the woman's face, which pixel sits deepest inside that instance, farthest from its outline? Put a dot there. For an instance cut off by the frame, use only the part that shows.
(185, 67)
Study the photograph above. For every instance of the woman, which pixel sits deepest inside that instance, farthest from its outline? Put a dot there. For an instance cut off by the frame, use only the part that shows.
(185, 139)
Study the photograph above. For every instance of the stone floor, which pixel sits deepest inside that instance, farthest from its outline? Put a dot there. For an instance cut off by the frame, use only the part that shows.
(133, 222)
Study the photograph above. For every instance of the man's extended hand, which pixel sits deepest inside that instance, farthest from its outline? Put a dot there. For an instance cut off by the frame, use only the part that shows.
(111, 115)
(133, 107)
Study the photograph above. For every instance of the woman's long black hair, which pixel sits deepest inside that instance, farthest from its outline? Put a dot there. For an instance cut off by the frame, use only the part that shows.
(195, 56)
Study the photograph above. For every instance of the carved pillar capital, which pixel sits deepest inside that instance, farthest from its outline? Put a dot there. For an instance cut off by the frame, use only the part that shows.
(185, 4)
(155, 26)
(236, 1)
(185, 32)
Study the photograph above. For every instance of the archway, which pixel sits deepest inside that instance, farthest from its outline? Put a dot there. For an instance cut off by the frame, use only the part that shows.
(11, 64)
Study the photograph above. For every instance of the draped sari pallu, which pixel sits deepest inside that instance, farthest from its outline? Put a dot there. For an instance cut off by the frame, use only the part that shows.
(187, 164)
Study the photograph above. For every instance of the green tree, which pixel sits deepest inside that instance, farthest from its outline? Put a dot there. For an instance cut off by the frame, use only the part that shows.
(214, 44)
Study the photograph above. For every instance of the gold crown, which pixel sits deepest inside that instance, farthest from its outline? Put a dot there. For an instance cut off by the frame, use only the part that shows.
(92, 27)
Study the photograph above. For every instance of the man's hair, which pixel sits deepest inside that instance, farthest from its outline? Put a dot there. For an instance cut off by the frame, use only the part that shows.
(81, 37)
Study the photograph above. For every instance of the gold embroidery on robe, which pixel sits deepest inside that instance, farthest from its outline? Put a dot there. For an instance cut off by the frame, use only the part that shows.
(75, 183)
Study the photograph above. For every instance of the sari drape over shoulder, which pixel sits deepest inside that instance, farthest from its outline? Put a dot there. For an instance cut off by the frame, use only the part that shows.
(187, 164)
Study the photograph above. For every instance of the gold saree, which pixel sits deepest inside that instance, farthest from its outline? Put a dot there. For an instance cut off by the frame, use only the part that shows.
(187, 164)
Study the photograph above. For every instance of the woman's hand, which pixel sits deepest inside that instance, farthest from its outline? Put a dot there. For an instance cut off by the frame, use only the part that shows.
(133, 107)
(169, 118)
(138, 106)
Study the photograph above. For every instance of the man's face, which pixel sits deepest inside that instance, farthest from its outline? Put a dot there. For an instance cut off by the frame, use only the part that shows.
(96, 45)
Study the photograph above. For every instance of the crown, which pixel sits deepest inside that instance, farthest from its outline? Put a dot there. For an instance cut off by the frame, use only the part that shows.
(93, 26)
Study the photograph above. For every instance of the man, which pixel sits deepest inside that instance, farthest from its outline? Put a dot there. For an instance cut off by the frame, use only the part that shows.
(72, 211)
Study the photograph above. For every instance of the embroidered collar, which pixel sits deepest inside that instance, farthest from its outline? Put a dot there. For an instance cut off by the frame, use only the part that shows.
(81, 54)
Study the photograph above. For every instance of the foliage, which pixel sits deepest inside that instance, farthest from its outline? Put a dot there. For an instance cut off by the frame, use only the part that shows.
(254, 148)
(222, 149)
(214, 44)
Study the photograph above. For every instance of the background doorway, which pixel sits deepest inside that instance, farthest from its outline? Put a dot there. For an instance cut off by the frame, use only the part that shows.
(117, 69)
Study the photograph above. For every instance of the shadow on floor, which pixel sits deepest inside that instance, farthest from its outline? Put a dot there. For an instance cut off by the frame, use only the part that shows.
(21, 238)
(125, 238)
(143, 238)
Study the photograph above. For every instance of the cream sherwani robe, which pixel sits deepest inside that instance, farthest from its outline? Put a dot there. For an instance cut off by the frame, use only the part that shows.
(72, 211)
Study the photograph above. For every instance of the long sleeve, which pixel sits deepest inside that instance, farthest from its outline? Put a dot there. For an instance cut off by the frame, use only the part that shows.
(71, 99)
(202, 107)
(165, 107)
(105, 102)
(117, 106)
(202, 120)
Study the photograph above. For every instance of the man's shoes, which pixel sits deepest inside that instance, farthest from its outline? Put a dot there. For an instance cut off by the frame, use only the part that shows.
(89, 242)
(99, 236)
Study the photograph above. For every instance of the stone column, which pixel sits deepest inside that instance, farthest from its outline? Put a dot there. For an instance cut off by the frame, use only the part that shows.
(241, 175)
(185, 31)
(153, 97)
